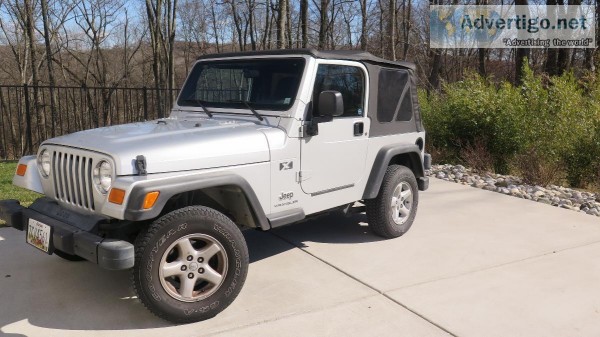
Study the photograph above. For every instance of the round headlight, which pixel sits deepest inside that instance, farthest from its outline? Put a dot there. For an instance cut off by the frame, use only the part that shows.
(103, 176)
(44, 163)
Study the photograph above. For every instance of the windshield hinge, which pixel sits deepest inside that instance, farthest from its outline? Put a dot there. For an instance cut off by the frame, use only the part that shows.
(140, 165)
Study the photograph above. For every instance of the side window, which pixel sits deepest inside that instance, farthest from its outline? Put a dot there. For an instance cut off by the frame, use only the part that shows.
(394, 96)
(348, 80)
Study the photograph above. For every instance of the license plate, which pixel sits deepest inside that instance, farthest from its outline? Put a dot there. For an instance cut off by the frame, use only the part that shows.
(38, 235)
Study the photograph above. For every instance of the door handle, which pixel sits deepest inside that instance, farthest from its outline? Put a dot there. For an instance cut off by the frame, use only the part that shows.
(359, 128)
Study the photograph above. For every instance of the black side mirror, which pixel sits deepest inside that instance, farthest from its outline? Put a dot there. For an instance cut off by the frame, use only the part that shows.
(331, 103)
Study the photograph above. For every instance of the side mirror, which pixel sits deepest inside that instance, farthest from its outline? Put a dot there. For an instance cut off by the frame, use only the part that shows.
(331, 103)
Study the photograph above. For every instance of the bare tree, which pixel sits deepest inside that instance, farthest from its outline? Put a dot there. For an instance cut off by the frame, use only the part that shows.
(392, 29)
(304, 22)
(281, 23)
(521, 54)
(251, 5)
(49, 64)
(161, 17)
(436, 63)
(323, 24)
(364, 39)
(406, 26)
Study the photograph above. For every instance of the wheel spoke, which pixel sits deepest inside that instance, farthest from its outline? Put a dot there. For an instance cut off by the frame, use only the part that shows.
(172, 268)
(187, 286)
(394, 201)
(403, 210)
(211, 275)
(185, 248)
(406, 194)
(209, 251)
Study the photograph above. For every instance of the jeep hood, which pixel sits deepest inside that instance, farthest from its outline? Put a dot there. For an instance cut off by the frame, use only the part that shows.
(175, 145)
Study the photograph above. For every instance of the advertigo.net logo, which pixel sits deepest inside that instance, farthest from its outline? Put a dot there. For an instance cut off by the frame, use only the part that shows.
(498, 26)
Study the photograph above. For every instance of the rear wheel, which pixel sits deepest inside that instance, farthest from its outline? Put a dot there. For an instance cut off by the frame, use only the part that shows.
(393, 211)
(190, 264)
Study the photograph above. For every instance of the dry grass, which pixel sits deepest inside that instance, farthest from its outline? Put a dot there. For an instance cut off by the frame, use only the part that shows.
(476, 156)
(536, 170)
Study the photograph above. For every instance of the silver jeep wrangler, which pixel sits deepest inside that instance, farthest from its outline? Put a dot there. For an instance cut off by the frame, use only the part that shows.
(255, 140)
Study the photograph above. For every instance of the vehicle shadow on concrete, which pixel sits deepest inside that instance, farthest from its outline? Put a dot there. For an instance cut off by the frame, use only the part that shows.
(330, 229)
(48, 292)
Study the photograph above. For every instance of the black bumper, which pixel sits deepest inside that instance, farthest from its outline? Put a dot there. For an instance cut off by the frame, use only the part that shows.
(71, 234)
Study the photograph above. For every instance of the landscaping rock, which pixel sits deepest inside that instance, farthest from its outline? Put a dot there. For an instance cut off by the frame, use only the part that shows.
(559, 196)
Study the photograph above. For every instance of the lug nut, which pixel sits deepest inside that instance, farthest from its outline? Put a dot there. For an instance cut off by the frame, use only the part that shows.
(190, 258)
(191, 275)
(201, 270)
(183, 268)
(200, 259)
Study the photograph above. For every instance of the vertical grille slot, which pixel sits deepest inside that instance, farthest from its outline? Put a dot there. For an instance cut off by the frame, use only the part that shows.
(72, 175)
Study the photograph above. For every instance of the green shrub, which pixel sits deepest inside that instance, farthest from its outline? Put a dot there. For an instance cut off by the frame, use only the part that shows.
(474, 110)
(583, 162)
(553, 117)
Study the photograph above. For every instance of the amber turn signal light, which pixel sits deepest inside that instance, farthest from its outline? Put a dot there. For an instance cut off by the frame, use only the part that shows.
(150, 199)
(21, 169)
(116, 196)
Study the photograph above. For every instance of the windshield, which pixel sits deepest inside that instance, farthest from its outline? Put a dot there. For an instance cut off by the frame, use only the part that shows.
(265, 84)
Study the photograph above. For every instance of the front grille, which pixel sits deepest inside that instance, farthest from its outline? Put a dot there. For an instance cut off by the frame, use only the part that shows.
(73, 179)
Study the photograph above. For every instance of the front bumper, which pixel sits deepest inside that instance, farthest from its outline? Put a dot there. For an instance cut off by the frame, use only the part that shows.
(70, 232)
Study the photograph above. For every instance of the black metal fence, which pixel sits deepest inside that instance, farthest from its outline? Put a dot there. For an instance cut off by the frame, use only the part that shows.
(31, 114)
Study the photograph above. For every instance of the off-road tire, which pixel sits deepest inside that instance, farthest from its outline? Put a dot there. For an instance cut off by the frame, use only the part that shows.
(67, 256)
(151, 247)
(379, 209)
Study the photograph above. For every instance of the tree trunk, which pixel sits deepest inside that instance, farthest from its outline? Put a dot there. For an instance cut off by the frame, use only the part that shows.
(50, 67)
(551, 65)
(214, 22)
(323, 24)
(281, 25)
(563, 59)
(304, 22)
(29, 24)
(251, 4)
(481, 54)
(521, 54)
(237, 23)
(363, 25)
(288, 20)
(436, 65)
(406, 26)
(267, 29)
(172, 22)
(381, 31)
(392, 29)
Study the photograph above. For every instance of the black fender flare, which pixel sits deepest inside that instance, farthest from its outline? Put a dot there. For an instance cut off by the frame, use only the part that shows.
(169, 187)
(382, 161)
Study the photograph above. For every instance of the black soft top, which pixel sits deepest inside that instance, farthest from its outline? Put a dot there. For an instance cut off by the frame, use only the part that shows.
(351, 55)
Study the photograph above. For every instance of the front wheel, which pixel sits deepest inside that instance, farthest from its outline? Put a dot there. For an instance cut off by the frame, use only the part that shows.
(190, 264)
(393, 211)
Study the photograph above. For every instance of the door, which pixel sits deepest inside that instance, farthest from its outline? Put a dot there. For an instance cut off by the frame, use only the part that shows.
(334, 159)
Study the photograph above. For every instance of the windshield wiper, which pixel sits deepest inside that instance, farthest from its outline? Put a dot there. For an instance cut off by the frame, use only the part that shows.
(199, 103)
(247, 104)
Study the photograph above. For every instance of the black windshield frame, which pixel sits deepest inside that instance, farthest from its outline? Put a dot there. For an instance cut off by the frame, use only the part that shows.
(270, 84)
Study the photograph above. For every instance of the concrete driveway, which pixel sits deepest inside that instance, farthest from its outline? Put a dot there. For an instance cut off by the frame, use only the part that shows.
(475, 263)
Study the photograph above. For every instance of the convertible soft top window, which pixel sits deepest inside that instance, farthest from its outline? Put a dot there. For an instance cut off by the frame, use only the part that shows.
(266, 84)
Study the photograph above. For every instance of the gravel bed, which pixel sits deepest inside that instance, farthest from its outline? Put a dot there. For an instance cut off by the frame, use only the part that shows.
(558, 196)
